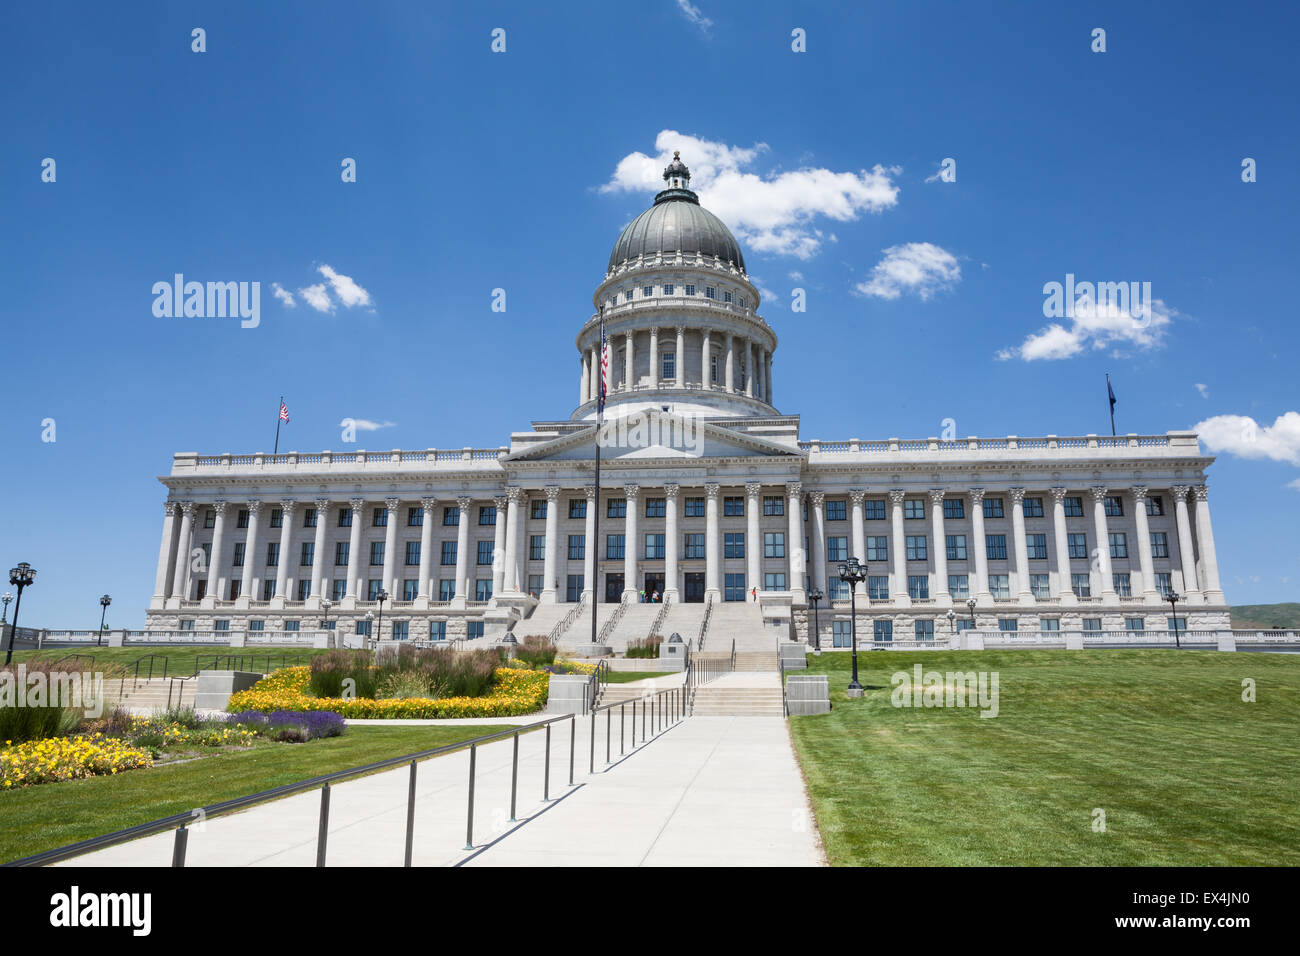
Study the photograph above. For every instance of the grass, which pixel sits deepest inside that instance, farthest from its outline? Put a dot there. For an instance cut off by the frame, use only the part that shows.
(1265, 617)
(44, 817)
(1185, 771)
(627, 677)
(180, 660)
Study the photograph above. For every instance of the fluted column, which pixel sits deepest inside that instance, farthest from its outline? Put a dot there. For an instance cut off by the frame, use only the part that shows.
(358, 507)
(654, 357)
(818, 500)
(216, 580)
(856, 498)
(594, 381)
(706, 354)
(712, 558)
(1021, 545)
(548, 573)
(462, 590)
(767, 377)
(287, 506)
(794, 547)
(180, 583)
(1213, 592)
(981, 588)
(424, 589)
(166, 554)
(679, 360)
(1063, 589)
(731, 363)
(939, 547)
(515, 499)
(1103, 544)
(671, 542)
(749, 368)
(589, 546)
(629, 364)
(319, 564)
(501, 557)
(898, 548)
(630, 543)
(390, 549)
(753, 539)
(1145, 561)
(584, 386)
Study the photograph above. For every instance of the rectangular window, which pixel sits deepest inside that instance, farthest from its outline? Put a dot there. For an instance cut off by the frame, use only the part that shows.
(669, 288)
(415, 517)
(482, 592)
(345, 517)
(837, 510)
(1081, 585)
(379, 518)
(954, 508)
(448, 553)
(373, 587)
(1008, 624)
(1000, 585)
(878, 548)
(774, 544)
(410, 587)
(956, 546)
(993, 508)
(924, 630)
(726, 295)
(773, 506)
(774, 581)
(484, 555)
(338, 588)
(1134, 624)
(733, 544)
(616, 508)
(292, 625)
(710, 292)
(733, 507)
(1074, 507)
(1036, 544)
(690, 288)
(437, 630)
(1078, 545)
(209, 518)
(882, 632)
(268, 589)
(695, 508)
(237, 560)
(412, 553)
(995, 546)
(573, 588)
(1114, 506)
(647, 291)
(309, 518)
(1121, 582)
(1176, 623)
(446, 591)
(474, 629)
(577, 507)
(878, 587)
(535, 584)
(1163, 583)
(837, 548)
(1118, 544)
(914, 508)
(668, 366)
(257, 625)
(450, 516)
(537, 509)
(272, 554)
(1155, 506)
(1159, 544)
(654, 547)
(627, 295)
(376, 553)
(307, 554)
(241, 520)
(839, 590)
(874, 509)
(1033, 507)
(487, 514)
(1040, 586)
(959, 586)
(1049, 623)
(694, 546)
(918, 586)
(916, 548)
(364, 628)
(277, 517)
(536, 547)
(734, 587)
(1092, 624)
(614, 546)
(577, 547)
(656, 507)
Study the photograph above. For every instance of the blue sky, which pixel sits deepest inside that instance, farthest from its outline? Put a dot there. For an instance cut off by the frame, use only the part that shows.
(479, 170)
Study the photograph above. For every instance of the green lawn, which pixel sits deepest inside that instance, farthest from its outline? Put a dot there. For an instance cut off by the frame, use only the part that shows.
(51, 815)
(627, 677)
(180, 660)
(1161, 741)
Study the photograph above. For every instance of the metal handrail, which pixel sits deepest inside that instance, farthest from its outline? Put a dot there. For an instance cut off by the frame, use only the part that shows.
(597, 682)
(567, 621)
(608, 628)
(659, 711)
(180, 822)
(704, 624)
(236, 662)
(171, 686)
(659, 618)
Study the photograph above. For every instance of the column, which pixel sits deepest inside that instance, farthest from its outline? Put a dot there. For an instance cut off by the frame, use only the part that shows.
(424, 589)
(749, 368)
(712, 559)
(795, 546)
(1063, 589)
(1108, 594)
(1213, 593)
(898, 547)
(731, 363)
(762, 377)
(1149, 592)
(629, 365)
(319, 559)
(515, 497)
(521, 542)
(589, 546)
(180, 584)
(981, 585)
(549, 571)
(818, 499)
(630, 548)
(654, 357)
(246, 581)
(358, 506)
(856, 498)
(939, 548)
(753, 538)
(584, 387)
(767, 377)
(500, 547)
(390, 550)
(216, 580)
(595, 379)
(671, 542)
(706, 353)
(679, 366)
(166, 553)
(286, 542)
(1022, 545)
(463, 591)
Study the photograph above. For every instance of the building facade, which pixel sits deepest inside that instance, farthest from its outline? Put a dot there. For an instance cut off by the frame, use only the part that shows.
(707, 494)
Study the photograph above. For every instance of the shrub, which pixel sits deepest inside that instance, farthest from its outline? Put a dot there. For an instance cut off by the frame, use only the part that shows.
(647, 647)
(30, 722)
(291, 726)
(536, 651)
(403, 684)
(330, 670)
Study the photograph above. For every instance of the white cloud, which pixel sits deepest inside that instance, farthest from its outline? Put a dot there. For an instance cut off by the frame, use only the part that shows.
(1242, 436)
(365, 424)
(316, 297)
(694, 15)
(284, 295)
(347, 290)
(921, 268)
(796, 276)
(769, 297)
(1296, 485)
(1096, 327)
(1203, 389)
(773, 214)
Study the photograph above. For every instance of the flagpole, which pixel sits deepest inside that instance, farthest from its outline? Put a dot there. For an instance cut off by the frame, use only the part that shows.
(277, 426)
(595, 528)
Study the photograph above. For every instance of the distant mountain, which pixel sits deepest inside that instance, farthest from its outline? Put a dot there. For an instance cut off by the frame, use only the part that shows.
(1265, 616)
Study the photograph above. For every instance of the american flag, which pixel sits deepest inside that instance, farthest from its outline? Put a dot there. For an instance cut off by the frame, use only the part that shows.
(284, 413)
(604, 363)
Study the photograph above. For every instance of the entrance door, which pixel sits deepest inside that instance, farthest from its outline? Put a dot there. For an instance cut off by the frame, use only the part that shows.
(653, 583)
(613, 588)
(694, 587)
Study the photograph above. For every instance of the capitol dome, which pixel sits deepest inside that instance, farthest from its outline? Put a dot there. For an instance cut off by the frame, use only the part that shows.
(676, 222)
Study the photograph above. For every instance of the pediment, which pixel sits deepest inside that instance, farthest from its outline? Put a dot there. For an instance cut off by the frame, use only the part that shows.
(655, 436)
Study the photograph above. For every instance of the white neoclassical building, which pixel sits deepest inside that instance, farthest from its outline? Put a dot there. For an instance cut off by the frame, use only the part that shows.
(709, 499)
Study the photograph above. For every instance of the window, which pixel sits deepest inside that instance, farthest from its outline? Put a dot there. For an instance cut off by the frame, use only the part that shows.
(577, 507)
(1078, 545)
(882, 632)
(733, 545)
(577, 547)
(338, 588)
(710, 292)
(1074, 507)
(878, 587)
(614, 546)
(1159, 544)
(450, 516)
(837, 510)
(1040, 586)
(241, 520)
(627, 295)
(733, 507)
(874, 509)
(448, 553)
(1007, 624)
(954, 508)
(995, 546)
(654, 547)
(484, 556)
(837, 548)
(1163, 583)
(647, 291)
(841, 634)
(878, 548)
(437, 630)
(535, 584)
(446, 590)
(1114, 506)
(690, 288)
(223, 625)
(993, 508)
(694, 546)
(379, 518)
(272, 554)
(956, 546)
(1121, 582)
(277, 517)
(256, 625)
(364, 627)
(536, 547)
(916, 548)
(1155, 506)
(307, 555)
(373, 587)
(713, 369)
(410, 587)
(487, 514)
(345, 517)
(742, 302)
(774, 544)
(474, 629)
(726, 295)
(964, 624)
(414, 517)
(1049, 624)
(573, 588)
(959, 586)
(1092, 624)
(376, 553)
(918, 586)
(268, 589)
(668, 288)
(773, 505)
(537, 509)
(774, 581)
(668, 365)
(616, 508)
(1134, 624)
(237, 560)
(309, 518)
(209, 518)
(1033, 507)
(695, 507)
(837, 590)
(291, 625)
(924, 630)
(1118, 544)
(1000, 585)
(482, 591)
(412, 553)
(734, 587)
(1177, 623)
(1081, 585)
(914, 508)
(1036, 544)
(655, 507)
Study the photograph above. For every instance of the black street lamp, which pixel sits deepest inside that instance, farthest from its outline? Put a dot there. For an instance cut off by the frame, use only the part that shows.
(853, 573)
(1174, 598)
(952, 624)
(382, 596)
(104, 602)
(21, 577)
(816, 595)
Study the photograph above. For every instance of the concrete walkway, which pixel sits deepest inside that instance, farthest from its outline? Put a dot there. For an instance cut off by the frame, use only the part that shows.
(708, 791)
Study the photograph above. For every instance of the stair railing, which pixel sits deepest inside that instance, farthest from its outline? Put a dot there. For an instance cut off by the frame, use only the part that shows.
(567, 621)
(608, 629)
(659, 618)
(704, 624)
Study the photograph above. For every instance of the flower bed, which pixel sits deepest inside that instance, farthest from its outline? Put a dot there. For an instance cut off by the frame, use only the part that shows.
(68, 758)
(515, 691)
(292, 726)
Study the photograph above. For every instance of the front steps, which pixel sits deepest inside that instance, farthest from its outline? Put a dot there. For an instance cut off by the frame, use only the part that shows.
(719, 699)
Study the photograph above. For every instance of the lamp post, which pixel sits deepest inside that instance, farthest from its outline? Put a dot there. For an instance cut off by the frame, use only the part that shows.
(325, 605)
(1174, 598)
(952, 623)
(382, 596)
(370, 628)
(21, 577)
(4, 618)
(815, 595)
(852, 572)
(104, 602)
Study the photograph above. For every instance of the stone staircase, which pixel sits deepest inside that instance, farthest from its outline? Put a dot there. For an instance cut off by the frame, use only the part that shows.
(737, 696)
(741, 621)
(757, 661)
(145, 694)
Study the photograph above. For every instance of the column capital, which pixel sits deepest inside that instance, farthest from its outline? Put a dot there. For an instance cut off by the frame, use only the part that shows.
(170, 508)
(795, 488)
(670, 491)
(219, 506)
(322, 505)
(976, 496)
(631, 491)
(857, 495)
(1180, 491)
(1017, 494)
(590, 492)
(936, 496)
(1202, 492)
(287, 505)
(552, 493)
(500, 501)
(1098, 493)
(896, 495)
(254, 506)
(428, 504)
(1058, 494)
(818, 498)
(1139, 493)
(711, 489)
(391, 503)
(681, 329)
(514, 495)
(463, 502)
(752, 488)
